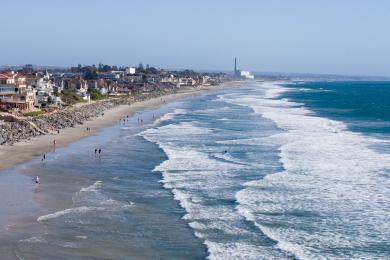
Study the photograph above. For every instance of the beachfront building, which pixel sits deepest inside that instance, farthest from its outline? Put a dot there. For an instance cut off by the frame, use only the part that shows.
(78, 85)
(186, 82)
(44, 90)
(206, 80)
(104, 86)
(15, 93)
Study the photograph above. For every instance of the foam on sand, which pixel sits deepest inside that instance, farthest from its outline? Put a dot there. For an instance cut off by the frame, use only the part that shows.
(88, 199)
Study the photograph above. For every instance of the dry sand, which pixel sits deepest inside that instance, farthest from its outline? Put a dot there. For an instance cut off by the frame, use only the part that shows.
(25, 151)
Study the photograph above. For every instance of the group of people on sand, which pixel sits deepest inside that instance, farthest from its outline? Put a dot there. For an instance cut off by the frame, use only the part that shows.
(124, 120)
(98, 152)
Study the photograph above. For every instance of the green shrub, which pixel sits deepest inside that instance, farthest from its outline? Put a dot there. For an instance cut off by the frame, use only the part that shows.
(70, 97)
(95, 94)
(33, 113)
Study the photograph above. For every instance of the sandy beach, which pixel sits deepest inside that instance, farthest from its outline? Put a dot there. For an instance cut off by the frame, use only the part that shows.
(11, 156)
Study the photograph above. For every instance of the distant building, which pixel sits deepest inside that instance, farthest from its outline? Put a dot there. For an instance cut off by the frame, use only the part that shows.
(241, 73)
(28, 68)
(246, 74)
(130, 70)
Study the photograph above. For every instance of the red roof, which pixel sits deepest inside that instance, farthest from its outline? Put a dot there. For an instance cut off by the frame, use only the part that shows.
(19, 75)
(4, 76)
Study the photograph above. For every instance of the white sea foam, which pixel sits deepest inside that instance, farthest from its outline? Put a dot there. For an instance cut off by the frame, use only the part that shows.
(87, 200)
(224, 119)
(332, 179)
(212, 110)
(93, 187)
(197, 176)
(332, 196)
(250, 141)
(170, 115)
(33, 240)
(240, 250)
(61, 213)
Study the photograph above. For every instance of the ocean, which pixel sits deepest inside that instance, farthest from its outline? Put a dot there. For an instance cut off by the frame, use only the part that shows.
(270, 170)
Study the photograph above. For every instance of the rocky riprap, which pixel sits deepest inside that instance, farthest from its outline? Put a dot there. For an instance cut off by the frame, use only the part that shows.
(16, 129)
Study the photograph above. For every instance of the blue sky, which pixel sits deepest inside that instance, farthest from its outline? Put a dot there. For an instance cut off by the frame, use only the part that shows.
(333, 36)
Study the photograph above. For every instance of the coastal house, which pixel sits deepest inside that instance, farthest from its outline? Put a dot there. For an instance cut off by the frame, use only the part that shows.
(78, 85)
(169, 79)
(206, 80)
(104, 86)
(15, 93)
(186, 82)
(44, 88)
(132, 78)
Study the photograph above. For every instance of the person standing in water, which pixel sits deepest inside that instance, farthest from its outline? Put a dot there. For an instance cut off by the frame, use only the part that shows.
(37, 179)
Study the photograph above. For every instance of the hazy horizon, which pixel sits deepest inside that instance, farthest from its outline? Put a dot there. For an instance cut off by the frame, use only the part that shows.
(326, 37)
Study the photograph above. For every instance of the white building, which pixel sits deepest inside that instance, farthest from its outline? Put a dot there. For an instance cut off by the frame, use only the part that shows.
(130, 70)
(246, 74)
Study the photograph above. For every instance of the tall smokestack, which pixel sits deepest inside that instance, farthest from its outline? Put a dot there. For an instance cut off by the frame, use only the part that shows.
(235, 67)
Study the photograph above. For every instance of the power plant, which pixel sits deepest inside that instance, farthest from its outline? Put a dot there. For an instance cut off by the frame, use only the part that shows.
(241, 73)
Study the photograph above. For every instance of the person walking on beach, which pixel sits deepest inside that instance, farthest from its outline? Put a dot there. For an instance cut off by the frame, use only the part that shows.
(100, 151)
(54, 145)
(96, 151)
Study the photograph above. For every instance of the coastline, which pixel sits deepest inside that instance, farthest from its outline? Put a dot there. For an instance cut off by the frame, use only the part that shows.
(24, 151)
(24, 201)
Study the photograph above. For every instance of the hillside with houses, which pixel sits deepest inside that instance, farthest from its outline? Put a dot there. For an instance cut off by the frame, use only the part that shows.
(34, 102)
(29, 89)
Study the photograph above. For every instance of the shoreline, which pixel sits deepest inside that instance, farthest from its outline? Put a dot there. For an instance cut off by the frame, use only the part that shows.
(21, 192)
(11, 156)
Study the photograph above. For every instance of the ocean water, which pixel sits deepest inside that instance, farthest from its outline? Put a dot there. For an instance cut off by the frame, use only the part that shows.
(271, 170)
